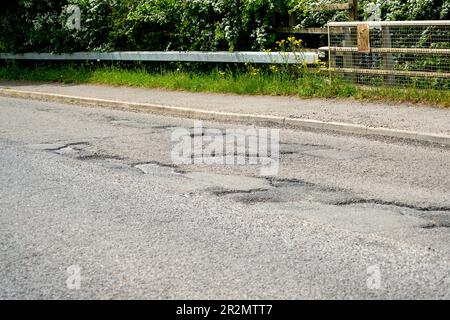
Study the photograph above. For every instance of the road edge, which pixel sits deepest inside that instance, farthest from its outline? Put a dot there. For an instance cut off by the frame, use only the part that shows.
(266, 120)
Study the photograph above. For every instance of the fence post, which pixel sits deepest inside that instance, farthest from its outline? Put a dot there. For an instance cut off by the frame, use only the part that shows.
(388, 61)
(331, 62)
(353, 10)
(352, 16)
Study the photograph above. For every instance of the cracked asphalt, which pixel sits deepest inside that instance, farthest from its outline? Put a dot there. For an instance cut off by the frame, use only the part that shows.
(97, 189)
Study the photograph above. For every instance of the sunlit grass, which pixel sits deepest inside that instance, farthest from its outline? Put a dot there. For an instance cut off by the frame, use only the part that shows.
(306, 84)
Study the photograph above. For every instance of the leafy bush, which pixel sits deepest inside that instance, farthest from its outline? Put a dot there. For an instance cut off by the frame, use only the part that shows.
(39, 25)
(204, 24)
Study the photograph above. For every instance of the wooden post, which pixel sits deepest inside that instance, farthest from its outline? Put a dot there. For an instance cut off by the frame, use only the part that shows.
(353, 10)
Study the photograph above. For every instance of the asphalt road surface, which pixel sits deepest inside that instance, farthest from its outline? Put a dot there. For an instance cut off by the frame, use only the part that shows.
(92, 206)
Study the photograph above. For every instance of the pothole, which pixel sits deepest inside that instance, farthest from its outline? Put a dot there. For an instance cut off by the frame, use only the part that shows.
(286, 183)
(68, 149)
(223, 184)
(285, 190)
(435, 225)
(164, 127)
(223, 192)
(99, 156)
(297, 190)
(77, 150)
(155, 167)
(391, 203)
(255, 198)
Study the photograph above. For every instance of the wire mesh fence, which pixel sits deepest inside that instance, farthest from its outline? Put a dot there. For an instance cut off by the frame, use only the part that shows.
(405, 54)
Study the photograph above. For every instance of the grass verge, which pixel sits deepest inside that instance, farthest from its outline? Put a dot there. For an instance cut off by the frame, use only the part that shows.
(306, 84)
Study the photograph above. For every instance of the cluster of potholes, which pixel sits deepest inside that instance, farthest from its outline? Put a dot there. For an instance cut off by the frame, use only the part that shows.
(277, 190)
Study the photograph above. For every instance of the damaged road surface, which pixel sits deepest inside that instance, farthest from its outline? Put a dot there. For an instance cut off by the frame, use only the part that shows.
(94, 193)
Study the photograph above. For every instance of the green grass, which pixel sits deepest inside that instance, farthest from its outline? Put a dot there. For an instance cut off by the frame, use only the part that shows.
(305, 84)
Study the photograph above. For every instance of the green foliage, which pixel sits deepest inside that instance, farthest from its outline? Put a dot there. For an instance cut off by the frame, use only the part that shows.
(99, 18)
(308, 13)
(415, 9)
(39, 25)
(27, 24)
(204, 24)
